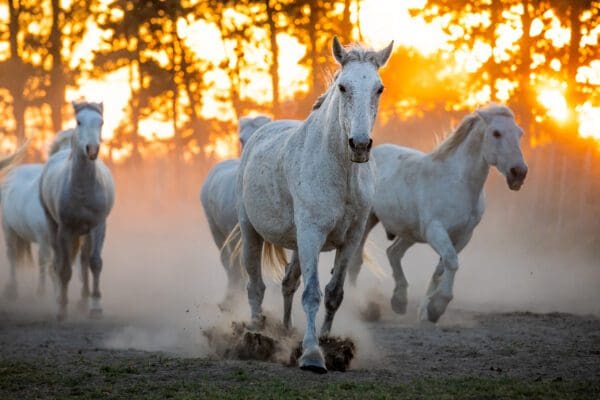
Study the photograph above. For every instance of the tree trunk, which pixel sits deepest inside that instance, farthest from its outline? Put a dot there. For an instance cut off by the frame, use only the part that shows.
(56, 94)
(274, 67)
(346, 24)
(573, 63)
(15, 63)
(312, 37)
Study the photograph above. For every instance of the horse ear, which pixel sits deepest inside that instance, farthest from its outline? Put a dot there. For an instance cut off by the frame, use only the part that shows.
(382, 56)
(101, 107)
(74, 104)
(485, 115)
(338, 51)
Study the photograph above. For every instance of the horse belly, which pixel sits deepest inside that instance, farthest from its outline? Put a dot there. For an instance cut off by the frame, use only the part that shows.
(268, 207)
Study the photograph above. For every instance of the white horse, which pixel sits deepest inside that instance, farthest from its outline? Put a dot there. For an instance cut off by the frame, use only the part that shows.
(438, 198)
(77, 194)
(308, 187)
(24, 221)
(219, 200)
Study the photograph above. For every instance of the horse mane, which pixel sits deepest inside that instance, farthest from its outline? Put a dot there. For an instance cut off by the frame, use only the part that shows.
(467, 125)
(60, 140)
(354, 52)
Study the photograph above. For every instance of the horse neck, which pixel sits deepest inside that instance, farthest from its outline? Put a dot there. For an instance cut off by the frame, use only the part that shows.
(82, 172)
(325, 131)
(467, 159)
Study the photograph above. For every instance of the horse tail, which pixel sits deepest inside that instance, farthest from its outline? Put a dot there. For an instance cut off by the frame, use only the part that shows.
(275, 260)
(273, 257)
(8, 161)
(371, 264)
(234, 242)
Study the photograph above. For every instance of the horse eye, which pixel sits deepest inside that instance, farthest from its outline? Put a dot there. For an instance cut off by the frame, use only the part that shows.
(342, 88)
(380, 90)
(78, 122)
(497, 134)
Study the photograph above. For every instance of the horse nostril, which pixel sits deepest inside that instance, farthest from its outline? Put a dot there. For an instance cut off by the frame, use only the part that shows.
(370, 144)
(514, 171)
(351, 143)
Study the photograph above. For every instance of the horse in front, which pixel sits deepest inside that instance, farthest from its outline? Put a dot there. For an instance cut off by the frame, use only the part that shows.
(308, 187)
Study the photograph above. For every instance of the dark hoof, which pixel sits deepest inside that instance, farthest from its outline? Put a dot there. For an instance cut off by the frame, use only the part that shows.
(436, 308)
(398, 306)
(314, 368)
(96, 313)
(312, 360)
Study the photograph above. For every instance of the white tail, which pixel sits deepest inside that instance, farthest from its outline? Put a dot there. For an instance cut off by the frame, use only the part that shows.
(273, 257)
(13, 158)
(370, 262)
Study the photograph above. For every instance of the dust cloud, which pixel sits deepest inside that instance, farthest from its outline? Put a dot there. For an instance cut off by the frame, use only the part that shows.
(162, 278)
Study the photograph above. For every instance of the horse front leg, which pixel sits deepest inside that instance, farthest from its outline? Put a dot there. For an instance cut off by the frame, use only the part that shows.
(252, 258)
(435, 303)
(12, 242)
(310, 242)
(334, 291)
(84, 267)
(65, 249)
(45, 263)
(289, 285)
(395, 253)
(95, 264)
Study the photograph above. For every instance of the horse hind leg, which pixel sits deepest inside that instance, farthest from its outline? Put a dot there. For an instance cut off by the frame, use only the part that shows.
(395, 253)
(95, 264)
(289, 285)
(356, 261)
(252, 244)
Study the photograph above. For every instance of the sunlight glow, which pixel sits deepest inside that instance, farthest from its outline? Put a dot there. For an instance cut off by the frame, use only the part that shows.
(555, 103)
(589, 121)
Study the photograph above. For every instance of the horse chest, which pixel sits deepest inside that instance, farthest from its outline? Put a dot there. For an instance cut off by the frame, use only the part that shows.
(83, 213)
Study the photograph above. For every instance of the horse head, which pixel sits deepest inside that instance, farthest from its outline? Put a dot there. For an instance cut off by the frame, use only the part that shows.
(88, 133)
(501, 144)
(359, 87)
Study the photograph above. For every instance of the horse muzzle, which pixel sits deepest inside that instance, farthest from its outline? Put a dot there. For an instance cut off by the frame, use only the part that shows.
(516, 177)
(360, 149)
(92, 151)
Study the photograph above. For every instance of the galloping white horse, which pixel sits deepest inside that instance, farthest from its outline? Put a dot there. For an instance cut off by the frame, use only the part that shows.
(24, 221)
(438, 198)
(219, 200)
(77, 193)
(308, 187)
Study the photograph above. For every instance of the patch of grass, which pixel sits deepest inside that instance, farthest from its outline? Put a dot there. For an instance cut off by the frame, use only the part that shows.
(20, 380)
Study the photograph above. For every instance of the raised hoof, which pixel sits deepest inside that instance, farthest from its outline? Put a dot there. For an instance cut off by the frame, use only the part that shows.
(398, 306)
(312, 360)
(10, 293)
(96, 313)
(434, 308)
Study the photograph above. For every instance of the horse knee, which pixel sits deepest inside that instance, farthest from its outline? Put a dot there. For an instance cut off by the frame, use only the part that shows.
(451, 262)
(311, 295)
(96, 264)
(333, 298)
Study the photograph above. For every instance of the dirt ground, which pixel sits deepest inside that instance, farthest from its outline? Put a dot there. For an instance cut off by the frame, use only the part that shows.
(528, 347)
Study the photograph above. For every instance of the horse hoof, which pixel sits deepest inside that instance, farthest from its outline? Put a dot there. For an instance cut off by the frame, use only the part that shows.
(258, 323)
(398, 306)
(10, 293)
(96, 313)
(312, 360)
